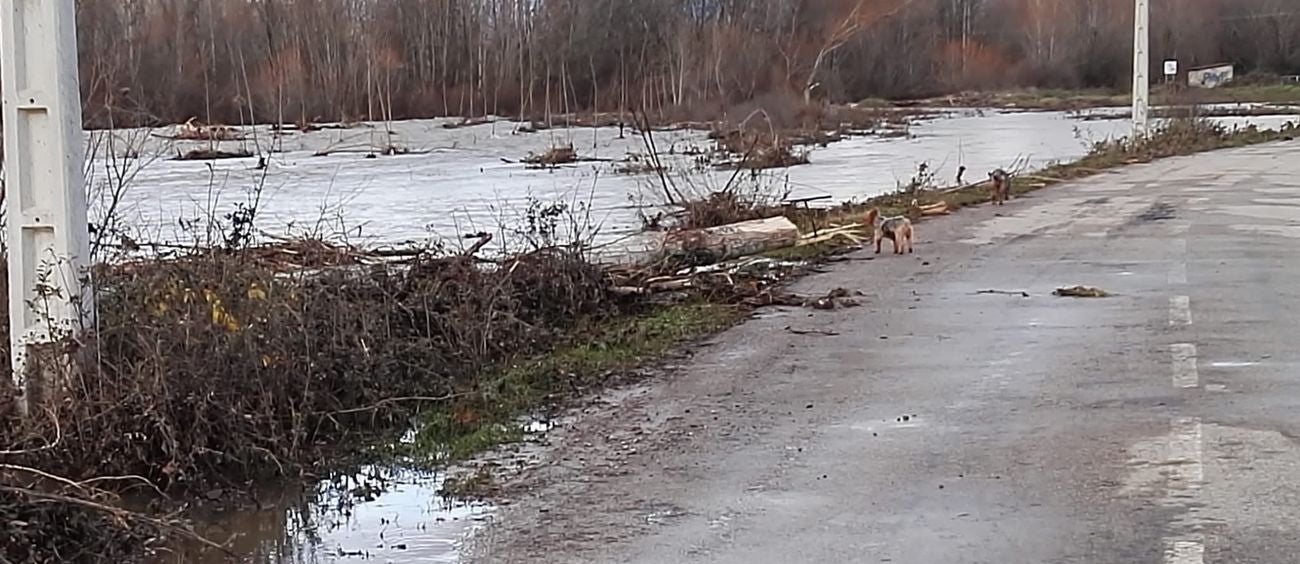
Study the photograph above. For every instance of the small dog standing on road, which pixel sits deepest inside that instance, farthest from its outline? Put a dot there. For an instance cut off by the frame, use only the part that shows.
(1001, 186)
(897, 229)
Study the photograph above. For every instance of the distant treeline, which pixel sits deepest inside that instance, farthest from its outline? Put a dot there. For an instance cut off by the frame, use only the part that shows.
(300, 60)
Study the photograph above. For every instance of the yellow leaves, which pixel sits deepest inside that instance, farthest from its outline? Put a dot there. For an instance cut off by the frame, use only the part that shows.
(217, 310)
(256, 292)
(220, 316)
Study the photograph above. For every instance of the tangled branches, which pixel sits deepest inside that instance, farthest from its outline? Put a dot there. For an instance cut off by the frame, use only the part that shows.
(221, 368)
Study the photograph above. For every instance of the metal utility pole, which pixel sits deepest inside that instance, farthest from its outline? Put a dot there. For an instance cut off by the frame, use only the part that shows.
(45, 195)
(1141, 67)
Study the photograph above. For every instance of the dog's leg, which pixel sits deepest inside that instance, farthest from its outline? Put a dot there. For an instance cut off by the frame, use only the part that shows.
(879, 240)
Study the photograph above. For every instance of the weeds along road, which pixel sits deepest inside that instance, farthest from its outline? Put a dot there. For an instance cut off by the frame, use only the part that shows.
(943, 425)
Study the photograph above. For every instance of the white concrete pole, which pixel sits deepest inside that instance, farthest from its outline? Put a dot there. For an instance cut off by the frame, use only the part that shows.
(45, 197)
(1141, 67)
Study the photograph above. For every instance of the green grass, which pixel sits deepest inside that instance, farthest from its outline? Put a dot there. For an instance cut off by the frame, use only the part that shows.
(600, 355)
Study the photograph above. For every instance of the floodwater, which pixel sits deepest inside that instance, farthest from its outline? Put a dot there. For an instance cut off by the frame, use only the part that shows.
(377, 516)
(469, 179)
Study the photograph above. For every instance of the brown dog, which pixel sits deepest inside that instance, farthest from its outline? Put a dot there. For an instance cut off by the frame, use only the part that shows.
(1001, 186)
(897, 229)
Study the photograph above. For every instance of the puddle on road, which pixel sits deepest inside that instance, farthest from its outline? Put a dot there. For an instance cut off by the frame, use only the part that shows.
(395, 516)
(381, 514)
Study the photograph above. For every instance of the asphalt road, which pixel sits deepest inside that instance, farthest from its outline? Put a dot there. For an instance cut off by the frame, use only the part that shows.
(945, 425)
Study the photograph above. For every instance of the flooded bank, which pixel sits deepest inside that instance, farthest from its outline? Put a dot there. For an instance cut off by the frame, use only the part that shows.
(470, 179)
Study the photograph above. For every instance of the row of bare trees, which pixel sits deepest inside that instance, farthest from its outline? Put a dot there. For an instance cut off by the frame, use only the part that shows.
(302, 60)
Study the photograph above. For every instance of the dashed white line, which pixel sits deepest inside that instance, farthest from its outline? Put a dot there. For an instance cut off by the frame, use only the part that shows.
(1180, 311)
(1184, 551)
(1178, 273)
(1185, 374)
(1187, 473)
(1185, 455)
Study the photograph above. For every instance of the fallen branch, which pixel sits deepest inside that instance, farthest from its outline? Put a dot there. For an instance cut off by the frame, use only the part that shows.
(58, 437)
(390, 401)
(938, 208)
(483, 239)
(120, 514)
(1081, 292)
(1020, 293)
(817, 332)
(213, 154)
(42, 474)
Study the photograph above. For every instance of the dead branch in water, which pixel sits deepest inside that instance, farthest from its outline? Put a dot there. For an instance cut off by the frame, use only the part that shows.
(213, 154)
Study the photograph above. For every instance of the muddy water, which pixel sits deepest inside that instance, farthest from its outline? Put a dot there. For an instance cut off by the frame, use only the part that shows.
(469, 179)
(379, 516)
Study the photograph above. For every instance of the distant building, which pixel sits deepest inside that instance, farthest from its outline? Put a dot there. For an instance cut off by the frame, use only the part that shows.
(1210, 76)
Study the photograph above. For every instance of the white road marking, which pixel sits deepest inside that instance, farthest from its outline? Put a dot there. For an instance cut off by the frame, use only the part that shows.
(1185, 374)
(1187, 472)
(1178, 273)
(1185, 455)
(1184, 551)
(1180, 311)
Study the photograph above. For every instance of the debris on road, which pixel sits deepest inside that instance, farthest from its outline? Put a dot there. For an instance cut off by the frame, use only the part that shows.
(1081, 292)
(854, 233)
(816, 332)
(1020, 293)
(938, 208)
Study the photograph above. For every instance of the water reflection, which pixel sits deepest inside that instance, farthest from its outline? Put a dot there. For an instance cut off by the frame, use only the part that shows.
(382, 515)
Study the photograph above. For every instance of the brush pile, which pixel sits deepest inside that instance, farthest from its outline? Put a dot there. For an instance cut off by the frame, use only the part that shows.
(219, 369)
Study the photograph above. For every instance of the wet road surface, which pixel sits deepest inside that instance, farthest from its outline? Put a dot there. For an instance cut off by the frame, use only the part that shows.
(945, 425)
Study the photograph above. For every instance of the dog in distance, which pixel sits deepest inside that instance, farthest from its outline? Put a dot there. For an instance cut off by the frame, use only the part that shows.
(897, 229)
(1001, 183)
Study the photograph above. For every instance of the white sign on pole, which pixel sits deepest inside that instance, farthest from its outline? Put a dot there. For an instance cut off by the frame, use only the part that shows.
(1171, 67)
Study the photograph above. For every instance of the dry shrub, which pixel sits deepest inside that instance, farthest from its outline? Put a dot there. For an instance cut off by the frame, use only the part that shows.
(220, 367)
(192, 130)
(1181, 136)
(779, 156)
(722, 208)
(554, 156)
(35, 531)
(755, 150)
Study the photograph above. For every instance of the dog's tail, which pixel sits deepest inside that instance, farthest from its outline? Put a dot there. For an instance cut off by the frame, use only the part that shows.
(870, 218)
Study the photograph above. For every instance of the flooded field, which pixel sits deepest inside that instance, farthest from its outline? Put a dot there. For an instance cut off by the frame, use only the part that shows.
(469, 179)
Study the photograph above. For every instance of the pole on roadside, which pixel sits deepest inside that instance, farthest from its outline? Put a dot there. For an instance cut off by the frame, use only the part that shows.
(45, 197)
(1141, 67)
